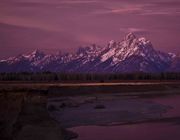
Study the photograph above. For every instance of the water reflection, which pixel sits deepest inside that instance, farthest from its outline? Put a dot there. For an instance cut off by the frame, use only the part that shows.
(150, 131)
(168, 129)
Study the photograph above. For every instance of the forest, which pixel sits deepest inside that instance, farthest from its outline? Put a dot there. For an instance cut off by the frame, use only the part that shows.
(85, 77)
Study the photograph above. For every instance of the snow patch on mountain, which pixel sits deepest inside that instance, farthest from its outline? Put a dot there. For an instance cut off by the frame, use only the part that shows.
(108, 55)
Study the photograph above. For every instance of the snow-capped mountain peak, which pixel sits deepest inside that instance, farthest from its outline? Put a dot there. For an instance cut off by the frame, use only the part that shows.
(37, 52)
(111, 43)
(130, 36)
(130, 55)
(144, 41)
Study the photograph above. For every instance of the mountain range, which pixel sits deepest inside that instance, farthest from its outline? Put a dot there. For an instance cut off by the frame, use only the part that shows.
(132, 54)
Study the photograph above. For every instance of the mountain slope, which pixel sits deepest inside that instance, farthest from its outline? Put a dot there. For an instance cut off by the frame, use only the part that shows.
(132, 54)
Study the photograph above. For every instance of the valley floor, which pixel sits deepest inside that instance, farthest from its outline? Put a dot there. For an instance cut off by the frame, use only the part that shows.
(36, 110)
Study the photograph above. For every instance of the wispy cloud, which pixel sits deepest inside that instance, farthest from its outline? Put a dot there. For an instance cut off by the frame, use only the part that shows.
(134, 30)
(29, 23)
(126, 8)
(166, 12)
(168, 8)
(151, 8)
(78, 1)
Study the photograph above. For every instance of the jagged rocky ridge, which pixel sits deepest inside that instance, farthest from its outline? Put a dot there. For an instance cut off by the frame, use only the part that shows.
(132, 54)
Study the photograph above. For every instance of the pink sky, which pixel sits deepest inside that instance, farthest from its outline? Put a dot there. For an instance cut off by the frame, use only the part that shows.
(53, 25)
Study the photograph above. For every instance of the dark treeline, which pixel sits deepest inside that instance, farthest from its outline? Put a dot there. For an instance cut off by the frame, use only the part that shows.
(68, 77)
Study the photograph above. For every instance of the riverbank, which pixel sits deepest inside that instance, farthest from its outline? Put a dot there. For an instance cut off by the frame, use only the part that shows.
(68, 89)
(24, 117)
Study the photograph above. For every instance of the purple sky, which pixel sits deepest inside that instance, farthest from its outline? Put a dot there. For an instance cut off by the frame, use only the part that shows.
(53, 25)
